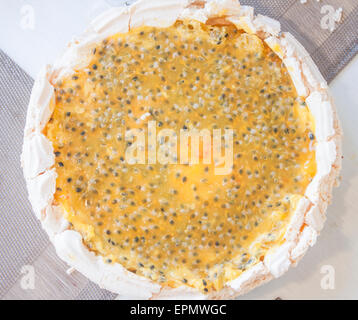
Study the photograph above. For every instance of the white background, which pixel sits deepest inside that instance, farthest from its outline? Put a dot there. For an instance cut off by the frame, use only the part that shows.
(55, 22)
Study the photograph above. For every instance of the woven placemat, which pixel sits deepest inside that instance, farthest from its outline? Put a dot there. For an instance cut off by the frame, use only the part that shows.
(25, 248)
(331, 50)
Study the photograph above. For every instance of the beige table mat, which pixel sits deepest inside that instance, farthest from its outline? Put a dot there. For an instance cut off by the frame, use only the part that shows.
(24, 245)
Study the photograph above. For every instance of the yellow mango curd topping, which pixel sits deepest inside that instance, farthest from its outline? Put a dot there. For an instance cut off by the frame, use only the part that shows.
(177, 223)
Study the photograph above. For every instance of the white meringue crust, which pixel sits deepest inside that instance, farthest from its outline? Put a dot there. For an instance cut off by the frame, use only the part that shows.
(38, 155)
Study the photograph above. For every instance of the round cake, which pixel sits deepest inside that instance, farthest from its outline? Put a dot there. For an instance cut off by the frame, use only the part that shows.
(182, 149)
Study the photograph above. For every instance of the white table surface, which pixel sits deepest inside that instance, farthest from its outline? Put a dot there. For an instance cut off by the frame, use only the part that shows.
(338, 244)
